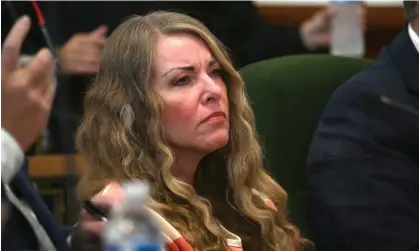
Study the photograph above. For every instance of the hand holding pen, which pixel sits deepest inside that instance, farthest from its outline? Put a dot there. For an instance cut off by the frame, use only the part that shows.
(95, 211)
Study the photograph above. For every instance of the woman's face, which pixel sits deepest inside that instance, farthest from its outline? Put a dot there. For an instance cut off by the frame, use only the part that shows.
(188, 80)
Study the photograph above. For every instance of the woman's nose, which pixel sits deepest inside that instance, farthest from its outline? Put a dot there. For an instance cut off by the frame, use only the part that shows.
(212, 89)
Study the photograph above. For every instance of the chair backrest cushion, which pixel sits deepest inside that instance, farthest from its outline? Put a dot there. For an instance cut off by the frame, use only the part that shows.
(288, 95)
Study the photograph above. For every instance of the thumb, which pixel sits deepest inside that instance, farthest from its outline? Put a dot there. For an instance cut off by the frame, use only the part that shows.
(99, 32)
(329, 12)
(322, 18)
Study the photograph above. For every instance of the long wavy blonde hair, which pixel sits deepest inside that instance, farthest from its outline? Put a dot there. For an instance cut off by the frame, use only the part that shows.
(122, 137)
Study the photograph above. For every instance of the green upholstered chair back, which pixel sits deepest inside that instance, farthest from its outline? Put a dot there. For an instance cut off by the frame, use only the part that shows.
(288, 95)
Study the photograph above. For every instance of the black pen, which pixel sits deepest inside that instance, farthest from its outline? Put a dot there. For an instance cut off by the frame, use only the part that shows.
(95, 211)
(45, 33)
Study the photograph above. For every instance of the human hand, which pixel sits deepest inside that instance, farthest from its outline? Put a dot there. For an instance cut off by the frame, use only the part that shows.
(111, 196)
(81, 53)
(87, 234)
(316, 31)
(27, 92)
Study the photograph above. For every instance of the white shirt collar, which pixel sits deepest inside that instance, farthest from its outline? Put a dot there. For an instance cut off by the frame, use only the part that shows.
(414, 37)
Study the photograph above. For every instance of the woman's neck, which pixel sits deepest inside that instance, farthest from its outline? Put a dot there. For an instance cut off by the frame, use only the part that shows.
(186, 166)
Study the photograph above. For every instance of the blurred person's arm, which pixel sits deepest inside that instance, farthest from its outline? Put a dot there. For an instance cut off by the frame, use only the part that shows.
(26, 98)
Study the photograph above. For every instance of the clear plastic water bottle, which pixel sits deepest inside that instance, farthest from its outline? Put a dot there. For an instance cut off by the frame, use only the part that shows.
(347, 33)
(130, 226)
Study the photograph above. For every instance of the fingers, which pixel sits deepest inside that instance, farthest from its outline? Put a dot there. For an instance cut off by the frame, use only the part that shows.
(75, 65)
(93, 227)
(49, 93)
(42, 78)
(326, 14)
(110, 196)
(98, 36)
(114, 191)
(87, 53)
(331, 12)
(85, 68)
(104, 201)
(100, 32)
(13, 43)
(362, 12)
(82, 52)
(42, 62)
(40, 67)
(90, 225)
(86, 217)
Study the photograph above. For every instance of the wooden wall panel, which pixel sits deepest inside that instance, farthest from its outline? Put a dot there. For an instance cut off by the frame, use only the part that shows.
(55, 166)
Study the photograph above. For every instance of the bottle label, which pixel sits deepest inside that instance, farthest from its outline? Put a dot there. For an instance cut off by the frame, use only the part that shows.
(133, 247)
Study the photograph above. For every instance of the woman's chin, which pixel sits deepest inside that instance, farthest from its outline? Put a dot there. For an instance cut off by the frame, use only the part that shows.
(215, 142)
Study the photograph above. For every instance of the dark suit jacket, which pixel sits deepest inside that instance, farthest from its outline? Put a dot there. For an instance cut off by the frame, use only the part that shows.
(363, 164)
(17, 234)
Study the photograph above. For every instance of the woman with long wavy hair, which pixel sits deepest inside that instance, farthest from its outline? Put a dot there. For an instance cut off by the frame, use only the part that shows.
(167, 107)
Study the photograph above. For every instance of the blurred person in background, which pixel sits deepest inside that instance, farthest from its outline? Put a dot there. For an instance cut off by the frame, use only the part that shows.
(27, 93)
(80, 29)
(175, 114)
(363, 163)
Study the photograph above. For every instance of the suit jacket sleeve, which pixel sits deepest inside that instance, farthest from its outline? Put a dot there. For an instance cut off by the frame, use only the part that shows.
(11, 157)
(364, 188)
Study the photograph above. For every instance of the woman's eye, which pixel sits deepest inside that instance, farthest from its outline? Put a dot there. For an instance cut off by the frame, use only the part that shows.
(216, 73)
(183, 80)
